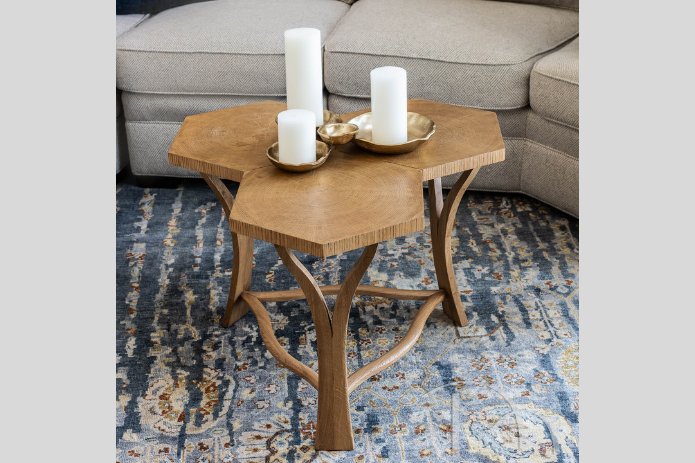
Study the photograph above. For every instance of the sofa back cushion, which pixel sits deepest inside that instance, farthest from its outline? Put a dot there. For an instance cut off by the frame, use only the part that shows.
(464, 52)
(230, 47)
(149, 6)
(568, 4)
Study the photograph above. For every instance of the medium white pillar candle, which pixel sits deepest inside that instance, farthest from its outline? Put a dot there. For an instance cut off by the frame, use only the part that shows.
(304, 75)
(296, 136)
(389, 105)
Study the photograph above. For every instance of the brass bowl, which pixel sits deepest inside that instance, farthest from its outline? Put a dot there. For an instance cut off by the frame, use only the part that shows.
(420, 128)
(322, 152)
(337, 134)
(328, 118)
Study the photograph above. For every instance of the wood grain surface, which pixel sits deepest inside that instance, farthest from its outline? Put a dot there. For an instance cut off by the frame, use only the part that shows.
(228, 142)
(356, 199)
(243, 257)
(273, 345)
(465, 138)
(442, 215)
(334, 427)
(403, 346)
(332, 290)
(348, 203)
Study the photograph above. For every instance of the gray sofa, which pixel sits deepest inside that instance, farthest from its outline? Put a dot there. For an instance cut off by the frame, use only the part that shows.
(520, 60)
(124, 23)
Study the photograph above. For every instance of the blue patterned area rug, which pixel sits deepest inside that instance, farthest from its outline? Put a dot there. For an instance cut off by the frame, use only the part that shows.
(503, 389)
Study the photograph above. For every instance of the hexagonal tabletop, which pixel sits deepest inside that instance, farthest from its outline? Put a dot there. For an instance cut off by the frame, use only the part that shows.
(228, 142)
(348, 203)
(465, 138)
(354, 199)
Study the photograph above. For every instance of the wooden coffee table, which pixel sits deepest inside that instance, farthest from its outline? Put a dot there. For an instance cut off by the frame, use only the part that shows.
(356, 199)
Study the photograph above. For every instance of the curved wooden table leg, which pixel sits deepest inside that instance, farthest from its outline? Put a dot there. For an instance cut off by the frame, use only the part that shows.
(402, 347)
(273, 345)
(243, 257)
(442, 215)
(334, 427)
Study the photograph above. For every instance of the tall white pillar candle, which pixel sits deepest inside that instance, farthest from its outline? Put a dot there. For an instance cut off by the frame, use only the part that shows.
(296, 136)
(304, 75)
(389, 105)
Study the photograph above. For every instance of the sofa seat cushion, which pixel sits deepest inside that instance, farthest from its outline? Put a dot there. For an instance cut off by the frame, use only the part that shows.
(555, 85)
(175, 108)
(466, 52)
(124, 23)
(235, 47)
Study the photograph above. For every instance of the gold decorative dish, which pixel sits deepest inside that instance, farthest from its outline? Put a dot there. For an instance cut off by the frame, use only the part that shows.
(328, 118)
(322, 152)
(337, 134)
(420, 128)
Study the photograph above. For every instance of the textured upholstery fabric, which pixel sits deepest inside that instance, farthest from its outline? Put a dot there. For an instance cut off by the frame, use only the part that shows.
(148, 143)
(175, 108)
(345, 104)
(569, 4)
(533, 169)
(553, 135)
(554, 85)
(467, 52)
(232, 47)
(149, 6)
(551, 176)
(124, 23)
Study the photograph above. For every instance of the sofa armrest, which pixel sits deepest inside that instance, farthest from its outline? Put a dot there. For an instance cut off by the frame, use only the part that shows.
(554, 85)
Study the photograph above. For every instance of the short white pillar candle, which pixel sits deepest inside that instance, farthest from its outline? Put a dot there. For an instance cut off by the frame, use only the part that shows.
(389, 105)
(303, 71)
(296, 136)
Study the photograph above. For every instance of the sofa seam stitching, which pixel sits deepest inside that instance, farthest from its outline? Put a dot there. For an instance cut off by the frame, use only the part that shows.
(154, 92)
(555, 121)
(153, 122)
(568, 156)
(525, 60)
(559, 79)
(207, 52)
(468, 106)
(201, 52)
